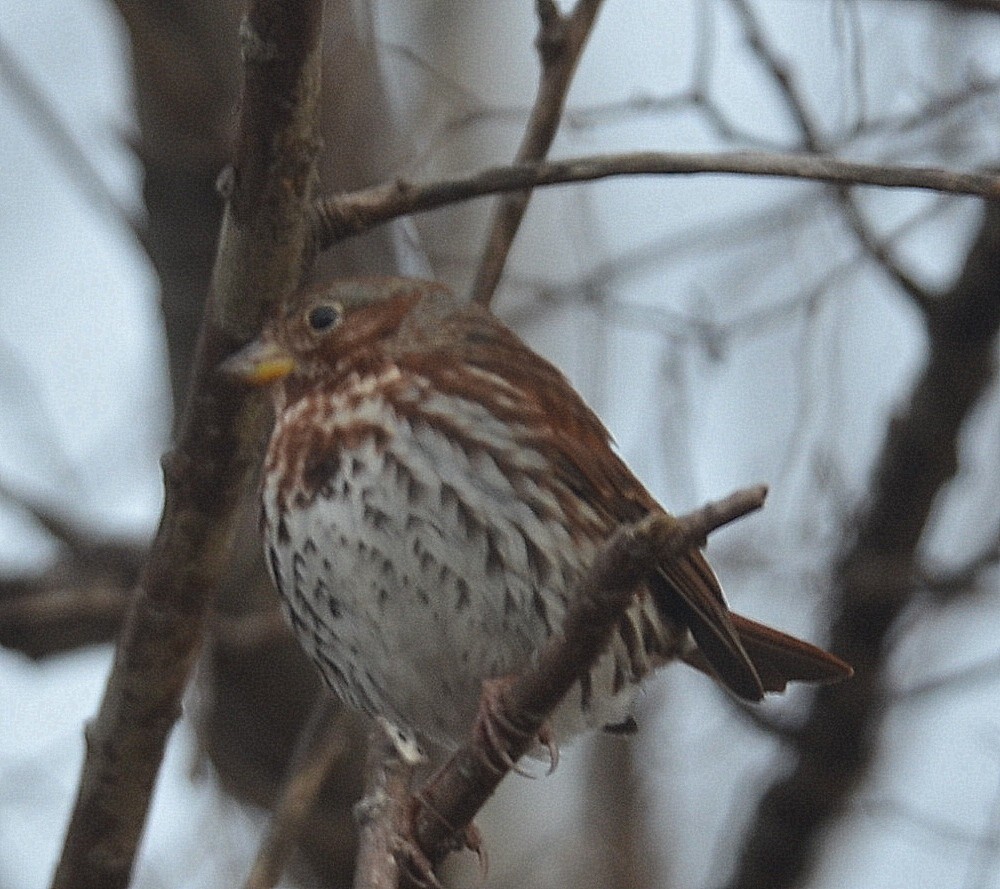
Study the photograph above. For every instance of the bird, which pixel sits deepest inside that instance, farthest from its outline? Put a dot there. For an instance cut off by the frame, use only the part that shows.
(431, 494)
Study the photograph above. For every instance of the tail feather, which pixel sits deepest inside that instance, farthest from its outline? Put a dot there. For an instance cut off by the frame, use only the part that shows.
(777, 657)
(780, 658)
(745, 656)
(691, 596)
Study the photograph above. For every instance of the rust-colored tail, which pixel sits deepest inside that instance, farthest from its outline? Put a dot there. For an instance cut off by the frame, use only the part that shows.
(780, 658)
(777, 658)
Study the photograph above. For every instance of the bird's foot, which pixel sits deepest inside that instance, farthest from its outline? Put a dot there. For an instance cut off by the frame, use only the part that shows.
(502, 729)
(414, 863)
(468, 838)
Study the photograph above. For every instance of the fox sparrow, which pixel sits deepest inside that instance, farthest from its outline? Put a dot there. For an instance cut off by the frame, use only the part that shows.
(432, 491)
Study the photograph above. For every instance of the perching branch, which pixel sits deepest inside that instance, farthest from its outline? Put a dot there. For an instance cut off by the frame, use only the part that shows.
(560, 42)
(383, 817)
(452, 797)
(342, 216)
(261, 252)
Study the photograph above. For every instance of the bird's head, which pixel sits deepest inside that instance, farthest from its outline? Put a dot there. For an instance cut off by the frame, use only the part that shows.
(319, 329)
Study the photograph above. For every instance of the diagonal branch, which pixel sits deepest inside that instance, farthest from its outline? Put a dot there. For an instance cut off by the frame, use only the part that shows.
(444, 808)
(342, 216)
(812, 140)
(261, 252)
(452, 797)
(560, 42)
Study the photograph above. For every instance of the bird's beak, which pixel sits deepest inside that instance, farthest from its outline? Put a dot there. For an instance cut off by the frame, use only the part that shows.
(258, 363)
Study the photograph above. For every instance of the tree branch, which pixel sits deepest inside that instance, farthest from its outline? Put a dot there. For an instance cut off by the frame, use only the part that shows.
(343, 216)
(451, 798)
(560, 42)
(383, 816)
(260, 257)
(812, 140)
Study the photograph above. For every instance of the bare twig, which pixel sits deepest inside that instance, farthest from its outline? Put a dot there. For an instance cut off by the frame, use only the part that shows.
(560, 42)
(86, 549)
(260, 257)
(80, 599)
(947, 585)
(186, 81)
(451, 798)
(321, 745)
(342, 216)
(44, 621)
(813, 141)
(984, 671)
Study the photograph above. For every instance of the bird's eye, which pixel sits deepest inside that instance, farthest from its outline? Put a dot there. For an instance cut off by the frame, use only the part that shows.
(323, 317)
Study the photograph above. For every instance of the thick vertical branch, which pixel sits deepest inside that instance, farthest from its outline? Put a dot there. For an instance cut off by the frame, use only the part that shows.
(876, 575)
(560, 43)
(260, 258)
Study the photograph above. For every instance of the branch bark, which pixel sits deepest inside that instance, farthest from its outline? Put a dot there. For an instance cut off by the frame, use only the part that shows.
(342, 216)
(186, 74)
(452, 797)
(560, 42)
(261, 253)
(382, 816)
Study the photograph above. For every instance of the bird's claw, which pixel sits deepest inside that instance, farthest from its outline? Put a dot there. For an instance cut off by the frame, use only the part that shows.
(547, 738)
(418, 867)
(469, 838)
(496, 725)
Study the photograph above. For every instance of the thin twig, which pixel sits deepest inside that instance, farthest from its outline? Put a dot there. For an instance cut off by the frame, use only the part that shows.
(813, 142)
(875, 576)
(947, 585)
(342, 216)
(984, 671)
(49, 620)
(560, 42)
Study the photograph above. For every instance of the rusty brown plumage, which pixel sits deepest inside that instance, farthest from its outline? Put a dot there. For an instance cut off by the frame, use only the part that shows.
(432, 491)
